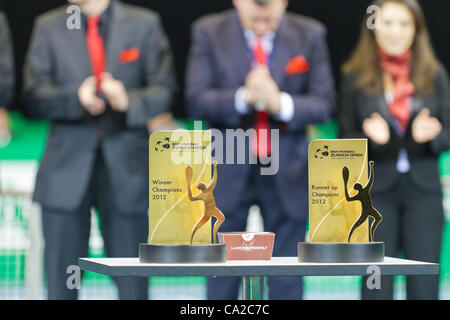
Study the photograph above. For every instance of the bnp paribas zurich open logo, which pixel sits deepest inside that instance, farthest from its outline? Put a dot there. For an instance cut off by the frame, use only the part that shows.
(163, 144)
(321, 152)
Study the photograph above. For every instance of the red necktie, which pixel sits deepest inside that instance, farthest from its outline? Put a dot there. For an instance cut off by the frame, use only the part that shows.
(96, 49)
(261, 145)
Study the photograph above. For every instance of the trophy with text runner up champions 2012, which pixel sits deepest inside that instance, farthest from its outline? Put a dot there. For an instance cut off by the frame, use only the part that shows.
(340, 204)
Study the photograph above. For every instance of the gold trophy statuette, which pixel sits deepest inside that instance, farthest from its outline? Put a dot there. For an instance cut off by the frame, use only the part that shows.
(206, 195)
(363, 196)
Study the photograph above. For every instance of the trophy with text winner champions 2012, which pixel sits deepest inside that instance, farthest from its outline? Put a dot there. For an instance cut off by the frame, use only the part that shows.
(181, 200)
(339, 214)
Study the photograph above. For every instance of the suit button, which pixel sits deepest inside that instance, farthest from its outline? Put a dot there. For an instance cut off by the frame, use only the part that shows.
(99, 134)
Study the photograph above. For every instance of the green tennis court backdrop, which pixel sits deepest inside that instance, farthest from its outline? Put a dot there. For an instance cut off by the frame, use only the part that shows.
(21, 251)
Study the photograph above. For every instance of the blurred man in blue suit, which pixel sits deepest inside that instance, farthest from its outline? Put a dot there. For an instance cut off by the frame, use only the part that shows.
(257, 66)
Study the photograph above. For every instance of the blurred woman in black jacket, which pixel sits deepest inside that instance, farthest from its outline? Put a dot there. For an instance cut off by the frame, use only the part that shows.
(395, 92)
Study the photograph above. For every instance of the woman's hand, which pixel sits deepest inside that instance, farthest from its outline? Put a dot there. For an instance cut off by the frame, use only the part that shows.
(424, 127)
(376, 129)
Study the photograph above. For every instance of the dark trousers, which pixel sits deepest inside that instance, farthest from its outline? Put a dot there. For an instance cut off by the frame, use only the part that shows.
(261, 191)
(412, 223)
(66, 236)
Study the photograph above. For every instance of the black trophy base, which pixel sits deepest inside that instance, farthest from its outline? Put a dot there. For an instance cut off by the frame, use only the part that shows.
(160, 253)
(341, 252)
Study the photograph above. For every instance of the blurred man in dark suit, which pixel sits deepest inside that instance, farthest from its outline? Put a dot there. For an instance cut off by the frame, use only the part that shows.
(6, 79)
(260, 67)
(98, 85)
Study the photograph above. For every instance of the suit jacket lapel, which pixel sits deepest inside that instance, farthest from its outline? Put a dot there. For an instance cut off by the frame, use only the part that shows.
(383, 107)
(76, 43)
(116, 36)
(236, 50)
(417, 104)
(282, 52)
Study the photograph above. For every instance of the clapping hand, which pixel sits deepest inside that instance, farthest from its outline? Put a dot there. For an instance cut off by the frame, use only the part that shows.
(376, 129)
(87, 94)
(115, 92)
(424, 127)
(263, 90)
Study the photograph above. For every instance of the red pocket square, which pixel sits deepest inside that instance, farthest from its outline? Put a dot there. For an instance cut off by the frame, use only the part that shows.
(297, 65)
(129, 55)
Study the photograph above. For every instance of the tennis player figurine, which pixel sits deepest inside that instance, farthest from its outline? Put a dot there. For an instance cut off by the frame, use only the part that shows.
(363, 195)
(206, 195)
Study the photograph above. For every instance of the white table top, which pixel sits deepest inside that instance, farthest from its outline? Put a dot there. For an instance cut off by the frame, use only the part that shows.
(282, 266)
